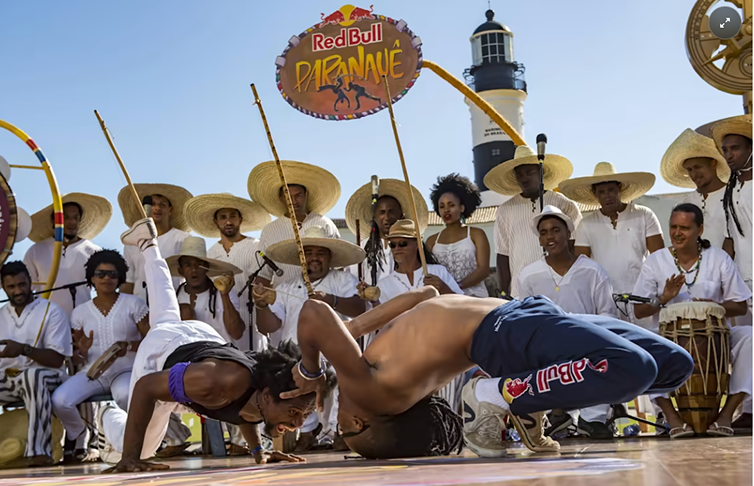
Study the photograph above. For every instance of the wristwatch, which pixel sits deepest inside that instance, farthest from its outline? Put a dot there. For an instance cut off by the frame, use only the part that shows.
(27, 350)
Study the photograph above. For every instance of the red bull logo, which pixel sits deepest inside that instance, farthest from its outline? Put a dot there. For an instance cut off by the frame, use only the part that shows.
(347, 38)
(513, 389)
(346, 15)
(567, 373)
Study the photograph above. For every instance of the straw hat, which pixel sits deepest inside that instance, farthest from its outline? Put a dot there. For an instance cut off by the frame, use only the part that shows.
(689, 145)
(502, 178)
(175, 194)
(633, 184)
(193, 246)
(322, 188)
(343, 252)
(15, 427)
(97, 212)
(359, 206)
(403, 228)
(200, 212)
(738, 125)
(551, 211)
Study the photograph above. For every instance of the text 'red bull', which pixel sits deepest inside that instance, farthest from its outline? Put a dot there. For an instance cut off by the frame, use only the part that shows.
(567, 373)
(347, 38)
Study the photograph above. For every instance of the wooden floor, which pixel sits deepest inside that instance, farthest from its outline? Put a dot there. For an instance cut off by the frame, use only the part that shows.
(644, 461)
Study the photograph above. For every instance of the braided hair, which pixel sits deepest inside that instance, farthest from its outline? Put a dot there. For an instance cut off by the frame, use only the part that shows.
(212, 296)
(728, 206)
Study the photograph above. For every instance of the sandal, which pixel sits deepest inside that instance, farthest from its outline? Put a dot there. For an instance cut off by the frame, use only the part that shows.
(720, 431)
(680, 432)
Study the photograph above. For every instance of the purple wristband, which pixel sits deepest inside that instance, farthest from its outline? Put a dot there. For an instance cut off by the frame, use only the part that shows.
(175, 383)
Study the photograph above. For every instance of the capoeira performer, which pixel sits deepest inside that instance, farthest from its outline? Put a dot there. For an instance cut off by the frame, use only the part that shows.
(540, 357)
(188, 364)
(35, 338)
(110, 318)
(692, 269)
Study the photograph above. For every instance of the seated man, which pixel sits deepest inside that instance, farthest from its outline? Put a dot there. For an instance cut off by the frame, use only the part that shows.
(188, 363)
(542, 359)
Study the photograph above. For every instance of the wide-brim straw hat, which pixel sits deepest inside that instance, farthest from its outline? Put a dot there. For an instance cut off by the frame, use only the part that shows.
(738, 125)
(200, 213)
(196, 247)
(403, 228)
(343, 253)
(322, 188)
(689, 145)
(633, 184)
(359, 206)
(502, 178)
(551, 211)
(177, 196)
(97, 213)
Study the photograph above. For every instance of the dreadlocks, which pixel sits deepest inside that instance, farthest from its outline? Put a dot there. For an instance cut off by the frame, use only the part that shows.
(728, 206)
(212, 296)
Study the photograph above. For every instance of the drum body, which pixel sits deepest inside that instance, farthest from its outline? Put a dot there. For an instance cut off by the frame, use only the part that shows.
(701, 329)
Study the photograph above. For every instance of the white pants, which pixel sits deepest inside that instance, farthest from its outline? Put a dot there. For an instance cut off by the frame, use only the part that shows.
(166, 334)
(78, 388)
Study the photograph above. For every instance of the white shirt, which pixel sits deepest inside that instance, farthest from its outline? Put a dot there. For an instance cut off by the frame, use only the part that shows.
(243, 255)
(584, 289)
(718, 279)
(204, 313)
(169, 245)
(388, 264)
(56, 332)
(714, 215)
(120, 324)
(38, 260)
(281, 230)
(287, 307)
(621, 251)
(513, 235)
(395, 284)
(742, 244)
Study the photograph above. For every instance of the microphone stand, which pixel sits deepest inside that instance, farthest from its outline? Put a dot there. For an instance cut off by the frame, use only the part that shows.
(71, 287)
(541, 185)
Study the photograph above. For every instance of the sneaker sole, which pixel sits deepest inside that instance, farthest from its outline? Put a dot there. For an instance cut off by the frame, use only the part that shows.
(523, 433)
(482, 452)
(559, 428)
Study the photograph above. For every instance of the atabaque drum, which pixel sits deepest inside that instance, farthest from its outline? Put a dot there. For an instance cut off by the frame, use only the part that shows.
(701, 329)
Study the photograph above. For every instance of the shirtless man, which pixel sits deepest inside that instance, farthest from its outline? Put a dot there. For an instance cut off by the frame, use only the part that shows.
(540, 358)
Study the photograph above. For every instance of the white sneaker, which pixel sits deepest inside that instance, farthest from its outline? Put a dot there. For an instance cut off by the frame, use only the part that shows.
(107, 452)
(483, 423)
(142, 233)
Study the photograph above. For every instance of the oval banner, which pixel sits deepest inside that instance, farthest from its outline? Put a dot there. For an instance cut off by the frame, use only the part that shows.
(8, 219)
(334, 70)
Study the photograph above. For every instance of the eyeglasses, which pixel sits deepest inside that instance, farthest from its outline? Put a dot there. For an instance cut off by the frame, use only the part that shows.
(113, 274)
(402, 244)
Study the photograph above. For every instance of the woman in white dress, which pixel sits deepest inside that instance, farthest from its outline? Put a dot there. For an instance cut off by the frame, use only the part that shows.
(96, 325)
(692, 270)
(463, 250)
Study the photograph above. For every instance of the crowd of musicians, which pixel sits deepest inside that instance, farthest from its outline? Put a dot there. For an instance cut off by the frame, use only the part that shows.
(251, 290)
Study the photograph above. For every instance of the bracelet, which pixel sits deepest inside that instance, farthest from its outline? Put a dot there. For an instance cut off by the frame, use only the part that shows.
(308, 376)
(130, 346)
(655, 302)
(335, 301)
(257, 449)
(261, 306)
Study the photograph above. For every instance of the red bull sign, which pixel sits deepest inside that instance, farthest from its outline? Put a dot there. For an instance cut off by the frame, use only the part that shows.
(334, 70)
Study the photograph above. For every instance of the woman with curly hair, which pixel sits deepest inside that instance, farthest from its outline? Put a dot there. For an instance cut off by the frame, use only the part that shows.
(463, 250)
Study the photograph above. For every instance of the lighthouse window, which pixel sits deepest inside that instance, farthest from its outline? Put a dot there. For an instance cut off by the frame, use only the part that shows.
(495, 152)
(493, 48)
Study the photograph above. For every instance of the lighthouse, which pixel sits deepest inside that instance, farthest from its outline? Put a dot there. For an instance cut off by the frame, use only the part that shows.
(499, 79)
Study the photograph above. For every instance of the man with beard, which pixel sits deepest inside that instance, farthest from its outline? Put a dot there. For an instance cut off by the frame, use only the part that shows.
(228, 217)
(35, 339)
(188, 364)
(84, 217)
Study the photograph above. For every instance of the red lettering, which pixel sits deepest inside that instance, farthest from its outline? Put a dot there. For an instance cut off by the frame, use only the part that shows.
(354, 37)
(577, 368)
(329, 43)
(542, 384)
(340, 41)
(564, 371)
(317, 42)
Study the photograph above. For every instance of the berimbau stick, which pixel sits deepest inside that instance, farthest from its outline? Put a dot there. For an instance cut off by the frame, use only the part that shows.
(405, 177)
(122, 165)
(358, 243)
(289, 203)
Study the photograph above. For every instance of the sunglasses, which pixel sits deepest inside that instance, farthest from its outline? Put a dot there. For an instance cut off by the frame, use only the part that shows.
(402, 244)
(113, 274)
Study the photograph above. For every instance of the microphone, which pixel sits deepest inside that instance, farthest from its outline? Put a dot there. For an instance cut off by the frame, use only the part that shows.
(375, 188)
(631, 298)
(541, 143)
(147, 203)
(271, 264)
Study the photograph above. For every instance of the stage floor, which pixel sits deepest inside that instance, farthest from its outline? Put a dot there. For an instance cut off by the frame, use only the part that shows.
(644, 461)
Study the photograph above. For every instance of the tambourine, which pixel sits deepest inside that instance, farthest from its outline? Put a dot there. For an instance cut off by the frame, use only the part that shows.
(104, 362)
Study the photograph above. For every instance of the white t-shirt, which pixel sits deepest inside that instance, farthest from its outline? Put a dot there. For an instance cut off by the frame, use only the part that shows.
(38, 260)
(120, 324)
(243, 255)
(395, 284)
(584, 289)
(621, 251)
(513, 235)
(56, 331)
(287, 307)
(714, 215)
(388, 264)
(169, 245)
(742, 244)
(281, 230)
(718, 279)
(204, 313)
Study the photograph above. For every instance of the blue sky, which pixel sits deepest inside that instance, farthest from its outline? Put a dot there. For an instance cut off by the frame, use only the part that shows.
(607, 81)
